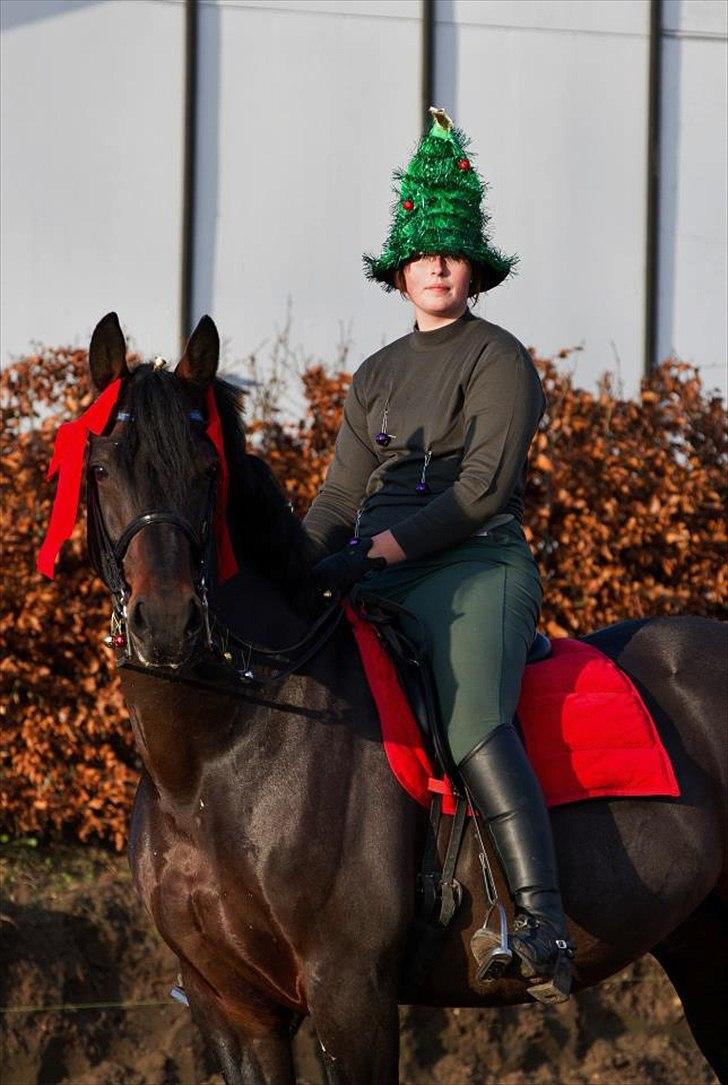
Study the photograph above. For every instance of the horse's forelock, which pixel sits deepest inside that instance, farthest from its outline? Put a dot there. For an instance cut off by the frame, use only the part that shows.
(157, 439)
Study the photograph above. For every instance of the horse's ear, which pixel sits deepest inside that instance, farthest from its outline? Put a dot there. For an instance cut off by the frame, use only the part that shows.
(199, 361)
(107, 353)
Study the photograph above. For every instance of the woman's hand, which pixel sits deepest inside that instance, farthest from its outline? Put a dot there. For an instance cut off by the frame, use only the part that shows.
(339, 572)
(384, 545)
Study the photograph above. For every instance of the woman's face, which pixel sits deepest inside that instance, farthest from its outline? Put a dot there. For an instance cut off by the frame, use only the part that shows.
(438, 285)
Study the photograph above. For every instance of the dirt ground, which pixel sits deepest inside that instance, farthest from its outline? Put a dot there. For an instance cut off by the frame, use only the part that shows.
(74, 933)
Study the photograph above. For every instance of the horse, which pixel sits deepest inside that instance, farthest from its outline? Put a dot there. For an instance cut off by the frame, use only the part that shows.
(269, 840)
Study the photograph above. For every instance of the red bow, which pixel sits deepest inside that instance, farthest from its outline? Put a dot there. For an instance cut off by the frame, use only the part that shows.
(67, 462)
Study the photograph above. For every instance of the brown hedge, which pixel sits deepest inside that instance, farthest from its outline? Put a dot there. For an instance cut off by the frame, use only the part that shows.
(626, 514)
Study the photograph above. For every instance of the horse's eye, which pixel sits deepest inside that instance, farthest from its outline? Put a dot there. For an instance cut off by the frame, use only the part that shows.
(212, 469)
(99, 471)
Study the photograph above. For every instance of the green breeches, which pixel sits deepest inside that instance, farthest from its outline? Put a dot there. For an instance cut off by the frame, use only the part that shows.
(478, 605)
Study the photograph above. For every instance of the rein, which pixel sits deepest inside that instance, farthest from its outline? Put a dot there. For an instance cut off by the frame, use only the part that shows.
(229, 645)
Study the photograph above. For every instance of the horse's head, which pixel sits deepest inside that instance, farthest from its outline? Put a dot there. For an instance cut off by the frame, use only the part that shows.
(151, 491)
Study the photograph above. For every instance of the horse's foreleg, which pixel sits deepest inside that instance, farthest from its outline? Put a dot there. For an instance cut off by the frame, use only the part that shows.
(257, 1052)
(357, 1023)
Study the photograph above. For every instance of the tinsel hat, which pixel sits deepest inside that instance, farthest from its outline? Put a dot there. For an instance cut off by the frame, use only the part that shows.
(439, 209)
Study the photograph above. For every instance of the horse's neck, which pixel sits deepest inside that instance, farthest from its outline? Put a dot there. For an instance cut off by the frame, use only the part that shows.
(257, 610)
(180, 727)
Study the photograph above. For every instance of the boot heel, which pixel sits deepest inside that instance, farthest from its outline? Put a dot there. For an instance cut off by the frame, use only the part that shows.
(558, 988)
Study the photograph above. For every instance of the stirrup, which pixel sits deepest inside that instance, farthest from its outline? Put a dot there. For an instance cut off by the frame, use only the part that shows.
(490, 947)
(178, 993)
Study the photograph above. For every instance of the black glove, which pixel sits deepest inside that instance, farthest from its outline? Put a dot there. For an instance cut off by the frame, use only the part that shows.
(340, 571)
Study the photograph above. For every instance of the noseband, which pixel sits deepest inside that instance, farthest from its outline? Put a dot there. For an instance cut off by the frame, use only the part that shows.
(161, 517)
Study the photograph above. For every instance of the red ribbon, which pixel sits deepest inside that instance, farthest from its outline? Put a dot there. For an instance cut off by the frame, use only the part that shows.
(67, 462)
(227, 566)
(69, 451)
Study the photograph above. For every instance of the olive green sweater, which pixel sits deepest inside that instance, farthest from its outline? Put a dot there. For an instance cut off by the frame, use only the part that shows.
(470, 395)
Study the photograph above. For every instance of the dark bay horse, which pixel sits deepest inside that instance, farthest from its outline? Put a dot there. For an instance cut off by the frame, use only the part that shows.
(270, 842)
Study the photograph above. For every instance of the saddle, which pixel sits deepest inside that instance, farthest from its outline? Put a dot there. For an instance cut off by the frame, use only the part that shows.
(415, 675)
(585, 726)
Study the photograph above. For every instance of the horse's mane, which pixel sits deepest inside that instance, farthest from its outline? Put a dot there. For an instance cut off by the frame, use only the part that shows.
(262, 526)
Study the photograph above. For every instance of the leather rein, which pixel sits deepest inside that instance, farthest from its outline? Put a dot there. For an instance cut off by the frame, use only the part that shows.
(239, 657)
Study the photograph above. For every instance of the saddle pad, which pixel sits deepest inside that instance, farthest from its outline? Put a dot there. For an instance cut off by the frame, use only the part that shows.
(587, 731)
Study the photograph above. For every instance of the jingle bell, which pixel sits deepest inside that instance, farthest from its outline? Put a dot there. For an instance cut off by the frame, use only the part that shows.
(383, 439)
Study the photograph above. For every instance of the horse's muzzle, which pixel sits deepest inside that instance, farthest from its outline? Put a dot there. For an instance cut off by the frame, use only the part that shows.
(165, 627)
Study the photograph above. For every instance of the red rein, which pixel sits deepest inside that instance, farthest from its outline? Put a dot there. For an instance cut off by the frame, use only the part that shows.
(67, 462)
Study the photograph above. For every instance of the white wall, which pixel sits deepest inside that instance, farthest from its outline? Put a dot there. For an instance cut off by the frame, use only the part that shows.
(305, 108)
(555, 98)
(694, 187)
(91, 122)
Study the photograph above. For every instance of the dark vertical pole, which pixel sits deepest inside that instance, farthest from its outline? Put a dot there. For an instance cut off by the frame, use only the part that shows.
(188, 178)
(654, 123)
(428, 61)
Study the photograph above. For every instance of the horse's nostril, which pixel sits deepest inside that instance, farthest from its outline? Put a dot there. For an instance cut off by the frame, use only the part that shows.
(138, 617)
(194, 618)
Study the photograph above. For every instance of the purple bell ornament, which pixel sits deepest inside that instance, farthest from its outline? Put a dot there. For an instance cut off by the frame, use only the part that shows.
(423, 486)
(383, 438)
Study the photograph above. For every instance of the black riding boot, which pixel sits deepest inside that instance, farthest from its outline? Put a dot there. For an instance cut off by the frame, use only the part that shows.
(503, 785)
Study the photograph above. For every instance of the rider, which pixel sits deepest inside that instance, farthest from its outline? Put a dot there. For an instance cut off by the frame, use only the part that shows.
(428, 475)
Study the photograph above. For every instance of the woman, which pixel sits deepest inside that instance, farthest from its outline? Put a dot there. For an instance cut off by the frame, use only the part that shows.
(428, 475)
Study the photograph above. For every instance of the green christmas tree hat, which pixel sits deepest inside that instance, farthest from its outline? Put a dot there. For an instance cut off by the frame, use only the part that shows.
(439, 210)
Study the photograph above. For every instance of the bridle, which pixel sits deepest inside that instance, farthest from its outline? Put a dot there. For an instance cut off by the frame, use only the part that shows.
(236, 655)
(107, 558)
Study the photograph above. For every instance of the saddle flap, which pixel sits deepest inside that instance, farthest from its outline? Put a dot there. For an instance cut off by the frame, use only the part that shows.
(415, 677)
(406, 663)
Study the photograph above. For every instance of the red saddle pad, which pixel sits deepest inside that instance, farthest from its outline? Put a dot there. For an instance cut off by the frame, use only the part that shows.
(587, 731)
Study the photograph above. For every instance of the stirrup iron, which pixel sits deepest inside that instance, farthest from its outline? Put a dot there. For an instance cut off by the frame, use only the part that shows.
(178, 993)
(490, 946)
